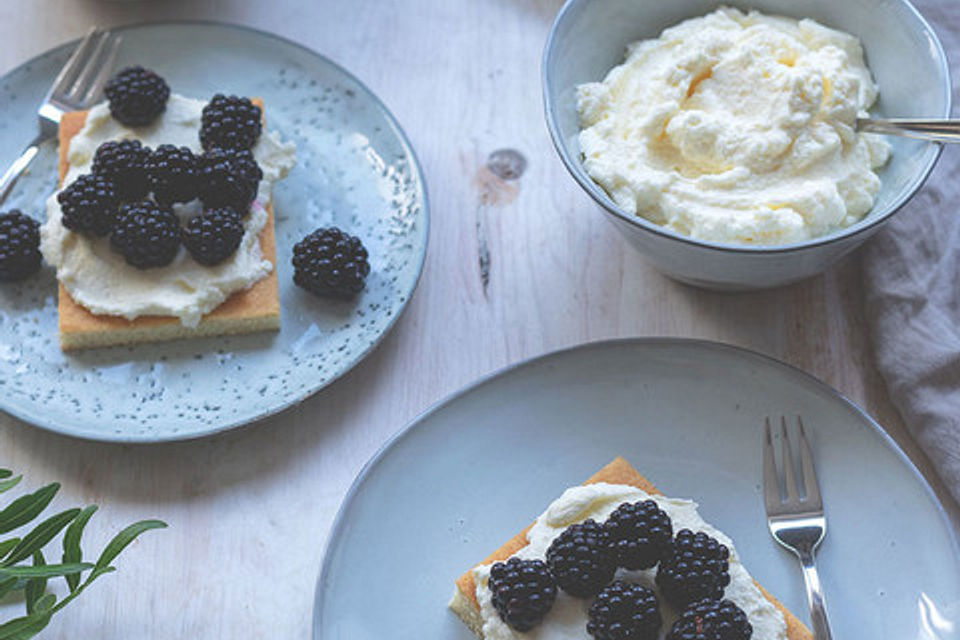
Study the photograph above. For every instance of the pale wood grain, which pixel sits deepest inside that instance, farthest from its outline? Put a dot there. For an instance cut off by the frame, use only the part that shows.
(249, 510)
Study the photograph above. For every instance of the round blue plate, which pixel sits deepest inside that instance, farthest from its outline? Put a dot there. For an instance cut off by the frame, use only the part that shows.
(355, 170)
(478, 468)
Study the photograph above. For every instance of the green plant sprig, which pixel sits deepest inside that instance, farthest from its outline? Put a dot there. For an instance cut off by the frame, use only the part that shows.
(32, 578)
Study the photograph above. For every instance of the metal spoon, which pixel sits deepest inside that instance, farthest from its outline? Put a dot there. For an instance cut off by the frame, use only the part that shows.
(933, 130)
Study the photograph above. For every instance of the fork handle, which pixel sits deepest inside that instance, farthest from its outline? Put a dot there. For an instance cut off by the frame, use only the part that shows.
(19, 166)
(818, 608)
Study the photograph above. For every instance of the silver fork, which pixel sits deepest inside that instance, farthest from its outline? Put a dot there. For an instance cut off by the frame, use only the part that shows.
(797, 522)
(76, 87)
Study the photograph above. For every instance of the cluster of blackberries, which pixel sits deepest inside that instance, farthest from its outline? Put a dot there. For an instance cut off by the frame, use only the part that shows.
(114, 199)
(582, 561)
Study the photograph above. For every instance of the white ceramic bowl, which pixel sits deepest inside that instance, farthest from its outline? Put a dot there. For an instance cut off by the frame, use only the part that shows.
(589, 37)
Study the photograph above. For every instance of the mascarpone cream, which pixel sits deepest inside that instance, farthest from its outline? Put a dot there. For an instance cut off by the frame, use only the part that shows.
(737, 128)
(99, 278)
(567, 619)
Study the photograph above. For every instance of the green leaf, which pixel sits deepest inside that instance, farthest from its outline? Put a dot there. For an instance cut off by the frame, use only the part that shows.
(5, 473)
(26, 508)
(46, 571)
(40, 536)
(6, 485)
(46, 602)
(7, 545)
(36, 587)
(71, 543)
(6, 586)
(25, 627)
(120, 542)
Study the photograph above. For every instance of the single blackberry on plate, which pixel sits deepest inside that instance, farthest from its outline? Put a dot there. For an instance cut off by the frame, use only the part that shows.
(712, 620)
(213, 236)
(523, 592)
(229, 179)
(625, 611)
(137, 96)
(580, 559)
(19, 246)
(229, 122)
(146, 235)
(696, 567)
(329, 262)
(174, 174)
(639, 533)
(124, 162)
(89, 205)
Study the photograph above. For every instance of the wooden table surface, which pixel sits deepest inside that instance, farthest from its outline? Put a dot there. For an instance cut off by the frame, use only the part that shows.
(249, 510)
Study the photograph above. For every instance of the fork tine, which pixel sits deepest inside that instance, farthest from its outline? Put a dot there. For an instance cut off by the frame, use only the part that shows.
(70, 70)
(789, 473)
(104, 69)
(90, 67)
(771, 483)
(809, 472)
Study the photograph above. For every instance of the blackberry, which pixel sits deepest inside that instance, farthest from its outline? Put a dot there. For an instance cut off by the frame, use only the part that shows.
(19, 246)
(696, 567)
(229, 122)
(712, 620)
(329, 262)
(580, 559)
(123, 162)
(137, 96)
(639, 533)
(89, 205)
(147, 235)
(229, 179)
(212, 237)
(625, 611)
(523, 592)
(174, 174)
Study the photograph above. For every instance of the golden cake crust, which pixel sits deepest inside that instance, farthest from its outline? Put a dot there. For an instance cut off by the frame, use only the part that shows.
(619, 471)
(253, 309)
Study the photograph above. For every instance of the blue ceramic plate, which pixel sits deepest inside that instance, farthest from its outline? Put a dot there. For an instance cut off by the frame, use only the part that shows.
(355, 170)
(472, 472)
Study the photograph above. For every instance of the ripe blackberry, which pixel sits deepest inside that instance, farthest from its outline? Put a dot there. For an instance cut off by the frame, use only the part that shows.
(89, 205)
(174, 174)
(523, 592)
(213, 236)
(147, 235)
(696, 567)
(639, 533)
(229, 122)
(124, 162)
(712, 620)
(329, 262)
(580, 559)
(19, 246)
(625, 611)
(137, 96)
(229, 179)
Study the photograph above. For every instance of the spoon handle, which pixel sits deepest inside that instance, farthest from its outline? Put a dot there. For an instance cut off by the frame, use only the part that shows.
(934, 130)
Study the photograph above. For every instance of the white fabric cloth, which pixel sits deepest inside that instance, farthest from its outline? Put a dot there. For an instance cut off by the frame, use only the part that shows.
(912, 283)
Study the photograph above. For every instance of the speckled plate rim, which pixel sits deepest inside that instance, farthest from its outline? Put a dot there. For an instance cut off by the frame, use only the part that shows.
(340, 521)
(36, 419)
(575, 167)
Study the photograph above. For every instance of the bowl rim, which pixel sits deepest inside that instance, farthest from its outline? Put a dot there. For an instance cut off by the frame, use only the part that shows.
(865, 224)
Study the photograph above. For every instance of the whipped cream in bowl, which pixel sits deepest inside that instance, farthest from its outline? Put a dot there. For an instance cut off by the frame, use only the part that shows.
(737, 128)
(717, 161)
(100, 280)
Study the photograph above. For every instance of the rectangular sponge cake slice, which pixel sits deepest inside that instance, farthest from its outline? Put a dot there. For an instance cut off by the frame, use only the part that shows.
(464, 602)
(246, 311)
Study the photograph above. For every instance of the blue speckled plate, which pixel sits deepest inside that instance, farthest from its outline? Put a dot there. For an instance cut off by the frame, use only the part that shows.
(355, 170)
(476, 469)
